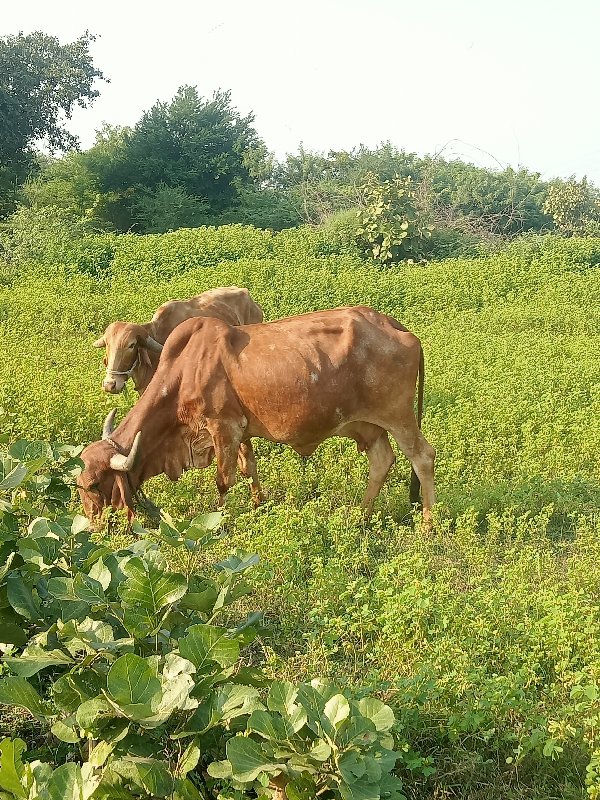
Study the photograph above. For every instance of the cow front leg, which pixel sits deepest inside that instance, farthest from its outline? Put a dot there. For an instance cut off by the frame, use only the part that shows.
(247, 465)
(226, 441)
(381, 459)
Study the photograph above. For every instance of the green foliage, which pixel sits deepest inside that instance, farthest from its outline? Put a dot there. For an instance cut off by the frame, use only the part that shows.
(262, 208)
(41, 81)
(506, 202)
(313, 739)
(575, 207)
(391, 225)
(68, 184)
(482, 201)
(184, 163)
(119, 656)
(168, 208)
(49, 241)
(482, 638)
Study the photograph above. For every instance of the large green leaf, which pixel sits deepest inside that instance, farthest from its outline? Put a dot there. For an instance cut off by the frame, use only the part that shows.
(133, 685)
(200, 601)
(202, 525)
(24, 450)
(43, 551)
(226, 703)
(233, 700)
(99, 572)
(12, 769)
(70, 691)
(65, 730)
(301, 787)
(34, 658)
(391, 788)
(89, 635)
(281, 697)
(24, 601)
(10, 633)
(175, 697)
(16, 691)
(150, 587)
(4, 567)
(146, 774)
(351, 765)
(189, 759)
(89, 590)
(380, 715)
(145, 593)
(357, 729)
(65, 784)
(93, 714)
(79, 524)
(42, 527)
(62, 588)
(248, 759)
(238, 562)
(208, 643)
(270, 726)
(12, 473)
(362, 789)
(140, 622)
(313, 697)
(337, 709)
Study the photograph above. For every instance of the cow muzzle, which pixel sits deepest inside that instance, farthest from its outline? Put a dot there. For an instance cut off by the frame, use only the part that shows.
(113, 385)
(115, 380)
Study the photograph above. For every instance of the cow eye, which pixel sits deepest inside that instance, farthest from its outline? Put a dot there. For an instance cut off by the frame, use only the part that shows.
(131, 346)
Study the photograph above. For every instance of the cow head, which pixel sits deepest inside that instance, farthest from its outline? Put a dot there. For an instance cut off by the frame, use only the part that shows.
(106, 479)
(126, 344)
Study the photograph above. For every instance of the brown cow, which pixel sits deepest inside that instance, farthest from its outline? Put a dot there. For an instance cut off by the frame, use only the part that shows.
(345, 372)
(133, 350)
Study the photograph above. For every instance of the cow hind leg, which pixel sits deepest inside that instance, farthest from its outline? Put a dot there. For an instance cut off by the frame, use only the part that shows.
(247, 465)
(422, 457)
(381, 459)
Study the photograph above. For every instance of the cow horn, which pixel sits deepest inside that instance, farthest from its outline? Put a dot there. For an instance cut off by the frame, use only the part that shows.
(123, 463)
(109, 424)
(152, 344)
(99, 342)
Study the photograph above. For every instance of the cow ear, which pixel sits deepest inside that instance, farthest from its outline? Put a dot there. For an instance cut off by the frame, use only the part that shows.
(99, 342)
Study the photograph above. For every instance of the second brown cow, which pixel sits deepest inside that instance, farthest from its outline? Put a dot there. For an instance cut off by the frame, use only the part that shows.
(132, 351)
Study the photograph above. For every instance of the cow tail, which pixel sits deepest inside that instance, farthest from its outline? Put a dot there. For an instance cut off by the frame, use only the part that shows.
(415, 486)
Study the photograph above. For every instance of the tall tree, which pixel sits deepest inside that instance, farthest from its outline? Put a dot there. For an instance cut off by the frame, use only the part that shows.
(40, 83)
(195, 144)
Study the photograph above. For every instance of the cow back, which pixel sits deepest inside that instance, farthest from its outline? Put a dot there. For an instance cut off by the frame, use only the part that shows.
(230, 304)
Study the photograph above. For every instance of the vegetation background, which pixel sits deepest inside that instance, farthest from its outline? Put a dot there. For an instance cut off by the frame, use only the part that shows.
(482, 638)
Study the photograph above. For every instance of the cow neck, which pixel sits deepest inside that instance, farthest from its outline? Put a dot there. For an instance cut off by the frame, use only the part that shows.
(155, 417)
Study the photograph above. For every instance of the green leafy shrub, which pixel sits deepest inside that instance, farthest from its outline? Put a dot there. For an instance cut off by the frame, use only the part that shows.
(392, 226)
(574, 207)
(120, 659)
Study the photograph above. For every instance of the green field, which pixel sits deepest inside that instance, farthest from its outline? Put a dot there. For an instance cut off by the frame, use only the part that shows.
(484, 637)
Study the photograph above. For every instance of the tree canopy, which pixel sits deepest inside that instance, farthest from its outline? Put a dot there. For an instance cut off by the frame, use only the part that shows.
(40, 83)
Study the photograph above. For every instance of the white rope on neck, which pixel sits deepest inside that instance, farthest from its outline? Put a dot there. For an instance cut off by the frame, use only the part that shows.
(111, 373)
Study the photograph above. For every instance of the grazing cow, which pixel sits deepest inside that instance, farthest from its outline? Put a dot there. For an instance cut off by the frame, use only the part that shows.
(133, 350)
(345, 372)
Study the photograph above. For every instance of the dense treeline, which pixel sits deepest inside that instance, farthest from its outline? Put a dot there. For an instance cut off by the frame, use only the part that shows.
(194, 161)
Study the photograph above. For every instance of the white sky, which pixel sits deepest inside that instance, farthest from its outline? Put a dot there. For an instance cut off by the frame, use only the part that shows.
(516, 79)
